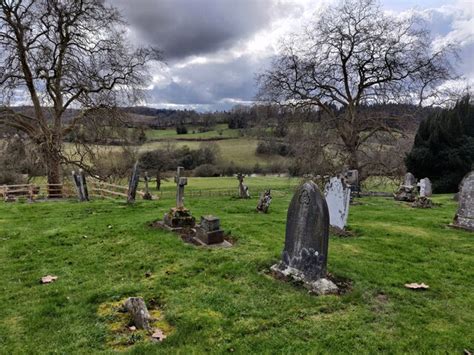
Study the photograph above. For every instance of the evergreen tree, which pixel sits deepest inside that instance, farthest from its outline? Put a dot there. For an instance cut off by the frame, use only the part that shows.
(444, 147)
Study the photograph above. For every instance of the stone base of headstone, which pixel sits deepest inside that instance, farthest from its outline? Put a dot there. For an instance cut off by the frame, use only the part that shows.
(322, 286)
(178, 218)
(209, 232)
(463, 223)
(422, 202)
(339, 232)
(406, 194)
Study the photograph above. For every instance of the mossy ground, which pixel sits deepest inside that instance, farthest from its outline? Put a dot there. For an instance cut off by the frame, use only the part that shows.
(219, 300)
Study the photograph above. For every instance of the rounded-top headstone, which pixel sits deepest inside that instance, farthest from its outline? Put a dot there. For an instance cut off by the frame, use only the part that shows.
(307, 232)
(465, 214)
(410, 180)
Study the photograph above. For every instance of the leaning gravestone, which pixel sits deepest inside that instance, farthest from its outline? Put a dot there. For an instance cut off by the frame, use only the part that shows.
(304, 256)
(464, 217)
(81, 185)
(133, 184)
(338, 197)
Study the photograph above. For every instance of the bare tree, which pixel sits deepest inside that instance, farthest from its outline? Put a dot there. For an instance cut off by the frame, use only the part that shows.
(63, 54)
(354, 56)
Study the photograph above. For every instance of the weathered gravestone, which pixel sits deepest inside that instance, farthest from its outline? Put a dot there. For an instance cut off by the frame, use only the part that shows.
(179, 217)
(264, 201)
(243, 189)
(407, 191)
(464, 217)
(147, 195)
(338, 198)
(133, 184)
(352, 180)
(305, 253)
(209, 231)
(425, 187)
(81, 185)
(424, 201)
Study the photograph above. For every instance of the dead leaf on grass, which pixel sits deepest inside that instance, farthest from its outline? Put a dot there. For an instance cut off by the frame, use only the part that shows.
(158, 335)
(48, 279)
(417, 286)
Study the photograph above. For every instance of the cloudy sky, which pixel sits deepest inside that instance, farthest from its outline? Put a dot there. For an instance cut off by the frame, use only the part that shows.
(214, 48)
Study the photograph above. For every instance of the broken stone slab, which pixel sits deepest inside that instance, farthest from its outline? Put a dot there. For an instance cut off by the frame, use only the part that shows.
(139, 312)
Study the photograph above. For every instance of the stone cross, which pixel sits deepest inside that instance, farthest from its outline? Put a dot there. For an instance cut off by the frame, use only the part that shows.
(307, 234)
(181, 182)
(338, 197)
(465, 214)
(243, 189)
(133, 184)
(425, 187)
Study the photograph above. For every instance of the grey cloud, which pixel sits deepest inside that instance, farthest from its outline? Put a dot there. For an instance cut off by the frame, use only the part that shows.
(181, 28)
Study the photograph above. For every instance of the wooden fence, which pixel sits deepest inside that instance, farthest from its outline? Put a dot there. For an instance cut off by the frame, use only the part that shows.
(10, 193)
(109, 191)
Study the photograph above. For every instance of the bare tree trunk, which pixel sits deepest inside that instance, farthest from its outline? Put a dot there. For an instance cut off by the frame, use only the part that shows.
(53, 167)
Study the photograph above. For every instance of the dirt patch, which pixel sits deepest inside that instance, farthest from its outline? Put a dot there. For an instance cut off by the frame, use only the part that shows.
(338, 232)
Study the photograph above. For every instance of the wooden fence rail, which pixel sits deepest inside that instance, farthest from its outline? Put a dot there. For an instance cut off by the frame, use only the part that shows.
(11, 193)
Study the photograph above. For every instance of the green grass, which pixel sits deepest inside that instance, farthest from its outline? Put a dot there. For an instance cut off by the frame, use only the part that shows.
(222, 300)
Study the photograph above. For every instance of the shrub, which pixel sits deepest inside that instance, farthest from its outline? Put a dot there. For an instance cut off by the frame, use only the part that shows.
(181, 129)
(444, 147)
(206, 170)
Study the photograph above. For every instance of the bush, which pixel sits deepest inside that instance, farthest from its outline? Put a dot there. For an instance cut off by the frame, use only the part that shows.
(271, 147)
(444, 147)
(181, 129)
(206, 170)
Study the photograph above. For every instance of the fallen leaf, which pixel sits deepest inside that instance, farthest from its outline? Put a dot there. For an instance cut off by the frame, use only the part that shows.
(158, 335)
(132, 328)
(109, 226)
(48, 279)
(417, 286)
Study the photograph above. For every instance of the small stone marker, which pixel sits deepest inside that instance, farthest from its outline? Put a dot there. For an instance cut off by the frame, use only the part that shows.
(264, 201)
(147, 194)
(464, 217)
(139, 312)
(338, 198)
(243, 189)
(425, 187)
(133, 184)
(209, 231)
(304, 256)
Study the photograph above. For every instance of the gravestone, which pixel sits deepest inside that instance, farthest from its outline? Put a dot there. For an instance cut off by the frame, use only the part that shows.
(407, 191)
(179, 217)
(425, 187)
(133, 184)
(209, 232)
(81, 185)
(243, 189)
(147, 194)
(338, 198)
(264, 201)
(352, 180)
(304, 256)
(464, 217)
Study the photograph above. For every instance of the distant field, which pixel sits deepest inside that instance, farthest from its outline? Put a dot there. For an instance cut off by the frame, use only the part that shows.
(218, 131)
